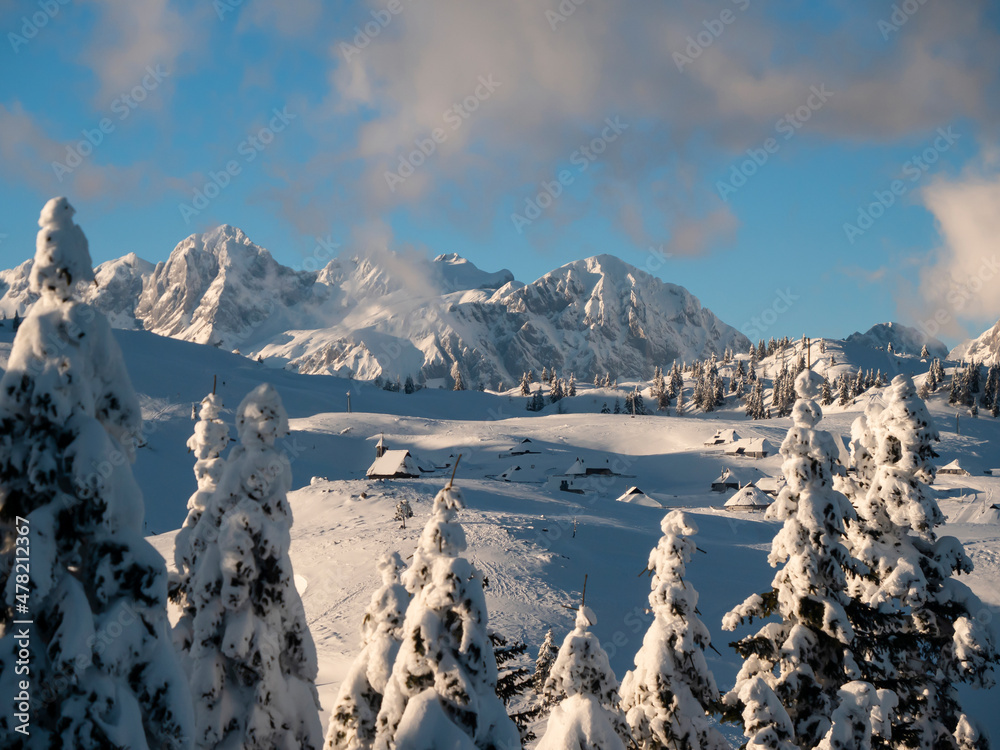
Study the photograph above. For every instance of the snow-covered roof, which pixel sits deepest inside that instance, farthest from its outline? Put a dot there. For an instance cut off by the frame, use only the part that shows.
(748, 497)
(953, 468)
(750, 445)
(635, 496)
(725, 476)
(739, 476)
(577, 468)
(509, 473)
(397, 463)
(723, 436)
(770, 484)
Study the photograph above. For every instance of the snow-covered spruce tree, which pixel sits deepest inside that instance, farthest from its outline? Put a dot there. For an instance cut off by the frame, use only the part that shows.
(587, 714)
(352, 721)
(403, 512)
(806, 657)
(671, 691)
(514, 680)
(253, 662)
(456, 376)
(930, 636)
(210, 438)
(103, 669)
(442, 690)
(863, 446)
(547, 654)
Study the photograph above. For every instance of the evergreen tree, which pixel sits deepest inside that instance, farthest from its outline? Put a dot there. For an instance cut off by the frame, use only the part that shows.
(954, 392)
(408, 385)
(618, 407)
(545, 374)
(581, 683)
(805, 658)
(844, 395)
(403, 512)
(556, 394)
(924, 354)
(663, 402)
(103, 672)
(456, 376)
(928, 632)
(827, 393)
(547, 654)
(605, 409)
(638, 405)
(352, 721)
(525, 385)
(442, 688)
(211, 436)
(252, 662)
(513, 681)
(571, 389)
(16, 323)
(671, 691)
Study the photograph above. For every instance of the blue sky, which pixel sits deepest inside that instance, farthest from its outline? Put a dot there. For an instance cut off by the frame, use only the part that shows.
(743, 137)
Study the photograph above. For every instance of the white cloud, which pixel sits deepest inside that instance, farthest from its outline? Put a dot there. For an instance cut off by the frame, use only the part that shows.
(132, 34)
(961, 279)
(609, 59)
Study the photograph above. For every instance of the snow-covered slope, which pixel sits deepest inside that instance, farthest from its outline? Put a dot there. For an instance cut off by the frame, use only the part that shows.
(534, 542)
(904, 340)
(388, 314)
(985, 349)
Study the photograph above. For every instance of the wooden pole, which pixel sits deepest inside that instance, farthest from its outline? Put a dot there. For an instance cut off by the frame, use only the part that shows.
(214, 377)
(453, 470)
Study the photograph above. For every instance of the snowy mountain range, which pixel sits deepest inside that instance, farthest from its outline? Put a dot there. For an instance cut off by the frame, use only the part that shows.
(387, 314)
(392, 315)
(985, 349)
(904, 340)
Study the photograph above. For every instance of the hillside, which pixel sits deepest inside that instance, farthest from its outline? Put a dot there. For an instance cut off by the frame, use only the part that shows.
(521, 533)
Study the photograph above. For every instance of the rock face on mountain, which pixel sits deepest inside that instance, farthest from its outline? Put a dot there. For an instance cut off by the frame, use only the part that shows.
(389, 315)
(985, 349)
(904, 340)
